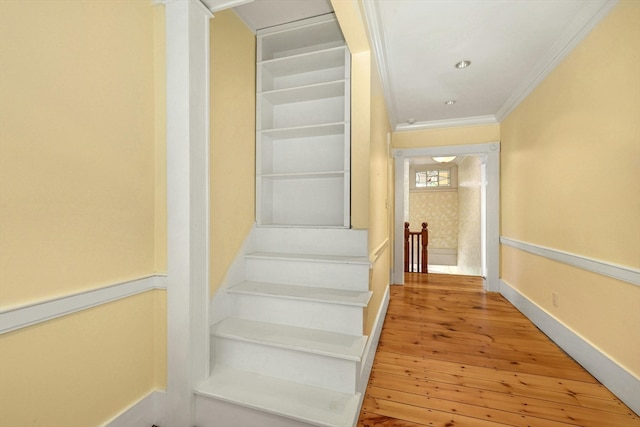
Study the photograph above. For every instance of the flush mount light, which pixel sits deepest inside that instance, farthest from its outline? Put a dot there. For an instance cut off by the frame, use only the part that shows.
(411, 121)
(444, 159)
(450, 102)
(463, 64)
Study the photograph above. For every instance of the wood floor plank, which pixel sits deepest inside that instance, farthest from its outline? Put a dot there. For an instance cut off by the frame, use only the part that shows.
(473, 411)
(510, 386)
(452, 355)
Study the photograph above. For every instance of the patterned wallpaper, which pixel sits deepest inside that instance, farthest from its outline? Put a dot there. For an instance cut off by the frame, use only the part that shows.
(440, 210)
(469, 252)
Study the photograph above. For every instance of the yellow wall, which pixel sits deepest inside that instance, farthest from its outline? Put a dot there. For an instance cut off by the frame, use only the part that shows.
(233, 139)
(77, 147)
(82, 369)
(79, 130)
(370, 161)
(570, 176)
(379, 200)
(446, 136)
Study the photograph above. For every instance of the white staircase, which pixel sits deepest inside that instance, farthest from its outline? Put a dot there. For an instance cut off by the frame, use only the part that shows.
(290, 351)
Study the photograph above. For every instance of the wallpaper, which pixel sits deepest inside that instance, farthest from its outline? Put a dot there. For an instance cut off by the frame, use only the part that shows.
(469, 252)
(440, 210)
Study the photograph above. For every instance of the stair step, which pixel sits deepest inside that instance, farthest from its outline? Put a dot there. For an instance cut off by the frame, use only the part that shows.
(305, 293)
(342, 259)
(332, 344)
(300, 402)
(305, 240)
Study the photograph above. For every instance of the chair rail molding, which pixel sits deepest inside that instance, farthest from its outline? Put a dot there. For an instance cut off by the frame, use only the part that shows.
(14, 318)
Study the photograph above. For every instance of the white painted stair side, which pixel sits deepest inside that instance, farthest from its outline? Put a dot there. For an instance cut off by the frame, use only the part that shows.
(307, 356)
(335, 310)
(311, 406)
(330, 271)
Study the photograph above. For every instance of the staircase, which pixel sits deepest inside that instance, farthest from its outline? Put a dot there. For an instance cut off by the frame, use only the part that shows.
(290, 351)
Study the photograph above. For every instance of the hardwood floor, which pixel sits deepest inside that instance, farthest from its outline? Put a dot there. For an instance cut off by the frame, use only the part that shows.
(452, 355)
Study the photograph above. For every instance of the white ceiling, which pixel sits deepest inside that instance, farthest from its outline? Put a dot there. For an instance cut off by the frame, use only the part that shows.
(512, 44)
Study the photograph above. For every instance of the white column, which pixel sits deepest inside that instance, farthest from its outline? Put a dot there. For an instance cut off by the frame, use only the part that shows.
(187, 44)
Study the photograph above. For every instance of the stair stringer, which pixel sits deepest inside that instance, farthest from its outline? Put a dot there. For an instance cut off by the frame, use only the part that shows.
(220, 304)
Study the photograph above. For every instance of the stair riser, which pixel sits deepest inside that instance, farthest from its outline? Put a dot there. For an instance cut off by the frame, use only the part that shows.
(210, 412)
(322, 274)
(312, 241)
(344, 319)
(305, 368)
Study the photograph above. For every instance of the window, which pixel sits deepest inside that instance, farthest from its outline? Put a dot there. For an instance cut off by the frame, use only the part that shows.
(433, 178)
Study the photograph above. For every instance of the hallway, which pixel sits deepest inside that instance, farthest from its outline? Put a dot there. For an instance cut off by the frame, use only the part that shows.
(452, 355)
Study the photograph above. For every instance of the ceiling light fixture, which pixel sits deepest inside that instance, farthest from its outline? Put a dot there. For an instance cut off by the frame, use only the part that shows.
(444, 159)
(463, 64)
(411, 121)
(450, 102)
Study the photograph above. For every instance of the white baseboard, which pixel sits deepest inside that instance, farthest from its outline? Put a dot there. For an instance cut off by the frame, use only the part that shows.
(372, 345)
(148, 411)
(617, 379)
(443, 256)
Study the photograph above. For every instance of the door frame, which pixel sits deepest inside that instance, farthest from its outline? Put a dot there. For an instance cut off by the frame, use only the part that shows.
(491, 187)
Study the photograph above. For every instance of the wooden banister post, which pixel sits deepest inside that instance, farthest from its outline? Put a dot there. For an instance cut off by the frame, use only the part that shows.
(406, 246)
(425, 249)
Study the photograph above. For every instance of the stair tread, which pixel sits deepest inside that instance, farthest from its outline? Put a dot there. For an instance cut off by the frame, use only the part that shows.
(281, 397)
(307, 293)
(333, 344)
(346, 259)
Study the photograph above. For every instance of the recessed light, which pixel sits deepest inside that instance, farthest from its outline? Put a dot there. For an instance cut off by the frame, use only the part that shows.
(450, 102)
(411, 121)
(463, 64)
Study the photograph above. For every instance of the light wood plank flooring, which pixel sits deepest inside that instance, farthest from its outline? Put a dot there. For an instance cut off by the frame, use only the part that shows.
(452, 355)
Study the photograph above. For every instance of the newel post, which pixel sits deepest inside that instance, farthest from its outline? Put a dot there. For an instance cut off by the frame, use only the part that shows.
(425, 250)
(406, 246)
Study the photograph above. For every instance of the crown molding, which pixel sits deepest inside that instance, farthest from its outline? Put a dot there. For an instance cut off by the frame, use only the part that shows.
(376, 39)
(575, 32)
(433, 124)
(211, 5)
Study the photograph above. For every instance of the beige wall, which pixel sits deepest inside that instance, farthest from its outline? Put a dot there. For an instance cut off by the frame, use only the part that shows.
(570, 174)
(380, 224)
(233, 140)
(370, 163)
(78, 206)
(469, 251)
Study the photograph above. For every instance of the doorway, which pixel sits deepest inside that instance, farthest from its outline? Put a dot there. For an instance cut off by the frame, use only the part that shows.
(489, 200)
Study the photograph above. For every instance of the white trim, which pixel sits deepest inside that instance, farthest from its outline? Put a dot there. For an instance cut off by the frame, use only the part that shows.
(626, 274)
(575, 32)
(447, 123)
(221, 303)
(491, 152)
(187, 78)
(617, 379)
(369, 353)
(218, 5)
(376, 40)
(31, 314)
(148, 411)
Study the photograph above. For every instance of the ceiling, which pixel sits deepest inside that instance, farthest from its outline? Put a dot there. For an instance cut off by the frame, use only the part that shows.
(512, 46)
